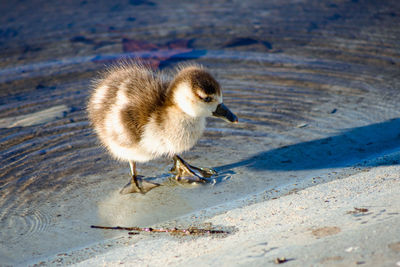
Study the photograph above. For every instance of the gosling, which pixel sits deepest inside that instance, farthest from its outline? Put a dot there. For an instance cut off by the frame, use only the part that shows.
(139, 115)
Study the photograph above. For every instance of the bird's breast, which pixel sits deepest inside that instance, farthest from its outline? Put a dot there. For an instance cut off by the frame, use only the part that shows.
(172, 135)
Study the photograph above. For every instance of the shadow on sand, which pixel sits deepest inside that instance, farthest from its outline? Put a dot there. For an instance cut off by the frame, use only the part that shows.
(343, 150)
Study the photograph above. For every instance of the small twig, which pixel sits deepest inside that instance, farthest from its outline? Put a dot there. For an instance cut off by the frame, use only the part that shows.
(357, 211)
(280, 260)
(188, 231)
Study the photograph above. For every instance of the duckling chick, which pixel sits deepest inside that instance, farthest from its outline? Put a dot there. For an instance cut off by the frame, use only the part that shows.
(140, 115)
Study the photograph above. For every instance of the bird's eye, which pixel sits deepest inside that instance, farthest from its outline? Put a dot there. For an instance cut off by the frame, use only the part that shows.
(207, 99)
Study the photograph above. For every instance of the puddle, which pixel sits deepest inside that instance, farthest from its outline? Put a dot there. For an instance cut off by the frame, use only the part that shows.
(315, 92)
(35, 118)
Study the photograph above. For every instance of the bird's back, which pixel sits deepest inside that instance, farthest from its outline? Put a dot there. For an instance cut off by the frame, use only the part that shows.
(123, 99)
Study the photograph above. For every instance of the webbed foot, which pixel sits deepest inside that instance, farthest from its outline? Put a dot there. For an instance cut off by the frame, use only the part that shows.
(138, 186)
(190, 174)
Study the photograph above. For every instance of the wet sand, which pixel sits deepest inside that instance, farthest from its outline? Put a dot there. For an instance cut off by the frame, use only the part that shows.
(315, 86)
(349, 221)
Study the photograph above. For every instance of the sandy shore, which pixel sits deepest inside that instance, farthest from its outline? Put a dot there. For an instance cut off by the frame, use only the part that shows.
(354, 220)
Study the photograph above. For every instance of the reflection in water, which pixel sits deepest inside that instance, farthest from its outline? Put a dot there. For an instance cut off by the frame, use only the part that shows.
(296, 73)
(167, 202)
(144, 210)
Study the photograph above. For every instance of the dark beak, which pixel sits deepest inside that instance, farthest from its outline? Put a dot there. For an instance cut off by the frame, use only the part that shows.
(224, 113)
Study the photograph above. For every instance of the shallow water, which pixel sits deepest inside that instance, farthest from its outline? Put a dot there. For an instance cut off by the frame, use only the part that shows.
(315, 86)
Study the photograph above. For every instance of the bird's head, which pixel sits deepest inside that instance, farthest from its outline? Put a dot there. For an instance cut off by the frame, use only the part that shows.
(198, 94)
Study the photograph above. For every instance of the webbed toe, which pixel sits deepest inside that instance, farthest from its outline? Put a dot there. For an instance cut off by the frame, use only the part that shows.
(140, 186)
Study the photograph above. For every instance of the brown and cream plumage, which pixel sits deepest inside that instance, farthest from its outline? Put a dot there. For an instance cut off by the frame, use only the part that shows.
(139, 114)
